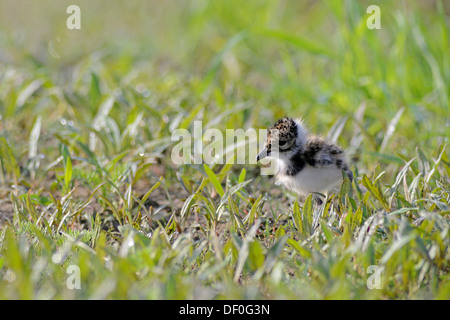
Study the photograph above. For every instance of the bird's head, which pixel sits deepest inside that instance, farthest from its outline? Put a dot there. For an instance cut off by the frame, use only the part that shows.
(284, 139)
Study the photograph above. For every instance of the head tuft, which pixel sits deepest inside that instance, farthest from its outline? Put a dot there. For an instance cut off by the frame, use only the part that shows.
(288, 134)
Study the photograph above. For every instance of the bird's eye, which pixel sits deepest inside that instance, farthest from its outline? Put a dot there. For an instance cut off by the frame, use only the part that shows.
(284, 145)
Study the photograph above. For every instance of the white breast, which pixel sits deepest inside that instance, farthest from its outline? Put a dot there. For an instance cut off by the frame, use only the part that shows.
(312, 179)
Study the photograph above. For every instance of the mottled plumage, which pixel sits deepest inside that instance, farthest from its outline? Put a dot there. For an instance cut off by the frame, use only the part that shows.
(306, 163)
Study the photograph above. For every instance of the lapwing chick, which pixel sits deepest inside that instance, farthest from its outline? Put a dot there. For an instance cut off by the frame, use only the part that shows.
(305, 163)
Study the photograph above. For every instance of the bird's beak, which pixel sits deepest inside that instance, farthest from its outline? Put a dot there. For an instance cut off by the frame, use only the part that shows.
(261, 155)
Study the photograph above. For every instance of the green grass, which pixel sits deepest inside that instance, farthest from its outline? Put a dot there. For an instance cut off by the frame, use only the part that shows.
(86, 177)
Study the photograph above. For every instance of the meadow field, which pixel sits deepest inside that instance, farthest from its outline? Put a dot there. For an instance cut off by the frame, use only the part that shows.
(93, 206)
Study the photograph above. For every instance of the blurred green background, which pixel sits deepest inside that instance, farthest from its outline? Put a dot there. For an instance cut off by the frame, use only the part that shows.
(299, 58)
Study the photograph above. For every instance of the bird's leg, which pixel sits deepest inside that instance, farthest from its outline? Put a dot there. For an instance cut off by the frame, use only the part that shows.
(318, 198)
